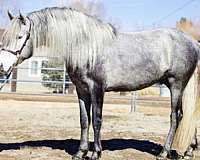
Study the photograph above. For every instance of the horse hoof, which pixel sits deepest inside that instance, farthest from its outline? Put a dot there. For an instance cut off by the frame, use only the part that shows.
(76, 158)
(161, 158)
(187, 157)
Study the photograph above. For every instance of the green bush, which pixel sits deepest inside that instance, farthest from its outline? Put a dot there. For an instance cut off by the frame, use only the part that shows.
(53, 75)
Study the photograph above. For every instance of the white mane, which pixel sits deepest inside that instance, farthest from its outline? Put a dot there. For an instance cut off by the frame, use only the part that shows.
(70, 34)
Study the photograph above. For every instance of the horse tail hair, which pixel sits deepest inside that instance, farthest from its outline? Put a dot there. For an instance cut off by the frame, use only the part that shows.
(191, 109)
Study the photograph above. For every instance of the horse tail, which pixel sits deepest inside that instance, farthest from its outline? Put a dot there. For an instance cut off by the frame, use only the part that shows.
(191, 109)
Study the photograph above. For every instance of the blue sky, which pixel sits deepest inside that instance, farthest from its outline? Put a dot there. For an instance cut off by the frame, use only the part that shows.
(132, 14)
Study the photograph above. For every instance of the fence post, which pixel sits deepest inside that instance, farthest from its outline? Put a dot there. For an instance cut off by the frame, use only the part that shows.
(14, 80)
(133, 101)
(64, 77)
(164, 91)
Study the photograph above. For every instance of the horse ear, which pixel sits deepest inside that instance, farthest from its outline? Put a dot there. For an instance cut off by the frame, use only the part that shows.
(10, 15)
(21, 18)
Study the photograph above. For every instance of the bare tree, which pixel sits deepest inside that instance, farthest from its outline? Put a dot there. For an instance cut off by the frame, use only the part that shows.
(94, 8)
(197, 25)
(188, 27)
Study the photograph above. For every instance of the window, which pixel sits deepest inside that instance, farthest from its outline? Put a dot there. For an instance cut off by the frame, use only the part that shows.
(44, 63)
(34, 68)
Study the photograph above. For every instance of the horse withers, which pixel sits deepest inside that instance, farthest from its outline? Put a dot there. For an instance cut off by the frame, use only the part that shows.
(100, 59)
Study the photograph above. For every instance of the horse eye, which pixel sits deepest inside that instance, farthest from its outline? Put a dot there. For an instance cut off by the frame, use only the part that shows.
(19, 37)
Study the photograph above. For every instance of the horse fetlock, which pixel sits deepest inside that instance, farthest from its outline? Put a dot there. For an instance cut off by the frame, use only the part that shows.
(187, 158)
(84, 147)
(96, 155)
(163, 155)
(194, 145)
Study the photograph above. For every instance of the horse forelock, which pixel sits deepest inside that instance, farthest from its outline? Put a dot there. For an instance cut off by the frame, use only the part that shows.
(9, 37)
(66, 33)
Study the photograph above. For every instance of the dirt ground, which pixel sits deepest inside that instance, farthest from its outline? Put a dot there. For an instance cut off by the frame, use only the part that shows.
(50, 131)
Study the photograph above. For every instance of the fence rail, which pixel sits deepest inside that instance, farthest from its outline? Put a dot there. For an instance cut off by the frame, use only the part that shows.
(26, 78)
(43, 68)
(30, 81)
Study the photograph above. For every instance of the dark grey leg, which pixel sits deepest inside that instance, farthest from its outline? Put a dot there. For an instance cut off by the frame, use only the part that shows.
(192, 147)
(176, 99)
(97, 96)
(85, 105)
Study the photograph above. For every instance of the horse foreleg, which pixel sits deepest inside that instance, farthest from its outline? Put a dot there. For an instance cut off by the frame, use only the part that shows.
(97, 96)
(176, 99)
(85, 105)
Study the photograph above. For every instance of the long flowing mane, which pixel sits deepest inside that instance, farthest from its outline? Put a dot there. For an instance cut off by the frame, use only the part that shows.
(67, 33)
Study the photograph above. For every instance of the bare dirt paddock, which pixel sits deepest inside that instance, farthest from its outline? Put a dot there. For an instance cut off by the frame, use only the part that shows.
(50, 131)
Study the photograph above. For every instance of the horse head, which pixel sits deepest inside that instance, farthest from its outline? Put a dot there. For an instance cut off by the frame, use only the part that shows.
(16, 42)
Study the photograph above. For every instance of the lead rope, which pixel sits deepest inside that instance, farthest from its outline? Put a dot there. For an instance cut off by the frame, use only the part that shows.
(9, 71)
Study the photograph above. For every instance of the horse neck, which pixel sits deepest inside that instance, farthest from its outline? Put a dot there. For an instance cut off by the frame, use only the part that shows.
(76, 41)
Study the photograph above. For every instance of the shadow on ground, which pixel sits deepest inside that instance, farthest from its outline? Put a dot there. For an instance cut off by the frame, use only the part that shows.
(71, 145)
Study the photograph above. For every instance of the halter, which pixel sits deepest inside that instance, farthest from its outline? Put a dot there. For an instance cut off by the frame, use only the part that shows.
(17, 54)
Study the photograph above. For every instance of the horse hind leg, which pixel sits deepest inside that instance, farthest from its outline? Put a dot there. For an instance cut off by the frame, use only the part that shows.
(85, 105)
(194, 146)
(176, 88)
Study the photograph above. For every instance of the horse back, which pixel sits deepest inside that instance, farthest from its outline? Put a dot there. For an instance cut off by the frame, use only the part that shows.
(136, 61)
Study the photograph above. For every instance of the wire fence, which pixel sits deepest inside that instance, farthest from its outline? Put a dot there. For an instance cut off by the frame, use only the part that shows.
(23, 82)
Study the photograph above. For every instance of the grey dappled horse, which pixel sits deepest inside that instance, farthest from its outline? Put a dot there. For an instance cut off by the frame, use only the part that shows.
(99, 59)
